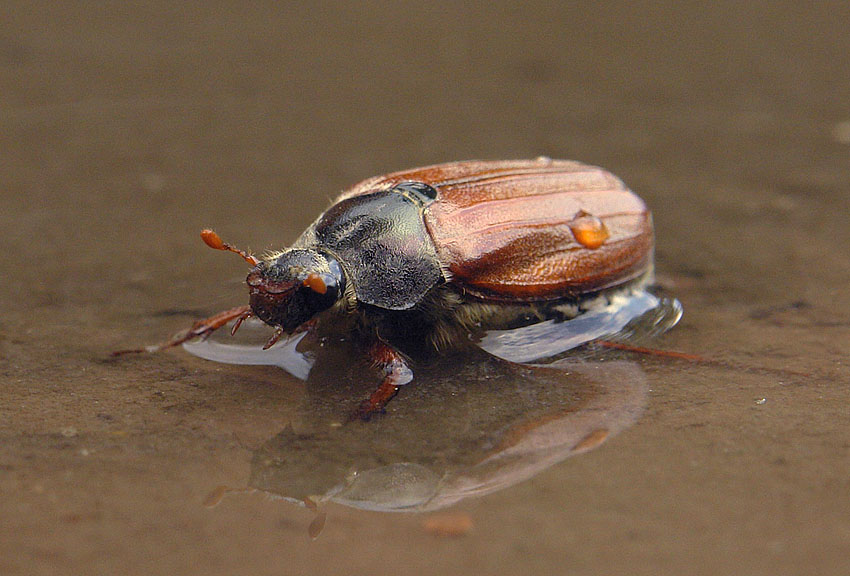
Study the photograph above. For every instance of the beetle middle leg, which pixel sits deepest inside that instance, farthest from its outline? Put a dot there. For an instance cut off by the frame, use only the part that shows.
(201, 328)
(396, 373)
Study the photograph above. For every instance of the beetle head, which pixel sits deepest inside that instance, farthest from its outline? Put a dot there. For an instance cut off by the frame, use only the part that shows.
(289, 290)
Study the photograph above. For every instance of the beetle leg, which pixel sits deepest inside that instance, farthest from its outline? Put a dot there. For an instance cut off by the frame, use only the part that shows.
(244, 316)
(201, 328)
(308, 326)
(396, 374)
(652, 351)
(278, 332)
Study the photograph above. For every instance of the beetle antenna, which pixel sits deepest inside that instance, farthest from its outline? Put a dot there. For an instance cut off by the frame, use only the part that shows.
(213, 240)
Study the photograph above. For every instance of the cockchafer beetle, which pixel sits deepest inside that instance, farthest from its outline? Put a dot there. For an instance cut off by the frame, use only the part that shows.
(432, 254)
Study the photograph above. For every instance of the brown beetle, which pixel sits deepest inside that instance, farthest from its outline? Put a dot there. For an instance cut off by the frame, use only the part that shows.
(433, 253)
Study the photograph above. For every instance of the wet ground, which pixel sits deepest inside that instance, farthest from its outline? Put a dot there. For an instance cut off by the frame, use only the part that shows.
(123, 131)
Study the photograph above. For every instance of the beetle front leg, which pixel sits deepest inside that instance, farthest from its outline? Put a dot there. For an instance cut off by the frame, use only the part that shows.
(201, 328)
(396, 373)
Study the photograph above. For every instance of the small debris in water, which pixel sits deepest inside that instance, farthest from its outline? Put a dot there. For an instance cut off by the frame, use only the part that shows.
(310, 503)
(592, 440)
(761, 401)
(448, 524)
(215, 497)
(317, 525)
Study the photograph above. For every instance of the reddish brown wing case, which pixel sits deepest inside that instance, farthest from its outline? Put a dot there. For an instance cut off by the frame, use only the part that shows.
(502, 228)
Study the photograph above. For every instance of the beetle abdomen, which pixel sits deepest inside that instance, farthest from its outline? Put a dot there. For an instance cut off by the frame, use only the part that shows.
(518, 236)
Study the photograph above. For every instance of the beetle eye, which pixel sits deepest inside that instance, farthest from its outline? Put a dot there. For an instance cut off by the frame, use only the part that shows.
(315, 283)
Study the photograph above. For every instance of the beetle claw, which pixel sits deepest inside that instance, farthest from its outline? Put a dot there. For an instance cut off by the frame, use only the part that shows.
(396, 374)
(377, 402)
(239, 321)
(200, 329)
(275, 337)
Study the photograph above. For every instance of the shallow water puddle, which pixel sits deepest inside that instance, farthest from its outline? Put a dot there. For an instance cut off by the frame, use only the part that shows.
(469, 425)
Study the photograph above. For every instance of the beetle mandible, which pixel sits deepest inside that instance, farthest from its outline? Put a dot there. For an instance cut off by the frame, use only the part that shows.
(432, 252)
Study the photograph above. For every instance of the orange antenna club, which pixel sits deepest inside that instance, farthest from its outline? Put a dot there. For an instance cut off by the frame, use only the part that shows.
(213, 240)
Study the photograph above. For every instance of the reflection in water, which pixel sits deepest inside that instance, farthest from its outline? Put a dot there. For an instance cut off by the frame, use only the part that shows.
(470, 425)
(628, 315)
(437, 450)
(284, 354)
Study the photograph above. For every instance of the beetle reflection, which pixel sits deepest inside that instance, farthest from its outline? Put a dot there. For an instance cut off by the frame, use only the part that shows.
(478, 426)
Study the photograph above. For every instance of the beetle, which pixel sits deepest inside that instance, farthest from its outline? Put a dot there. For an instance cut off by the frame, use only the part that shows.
(429, 254)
